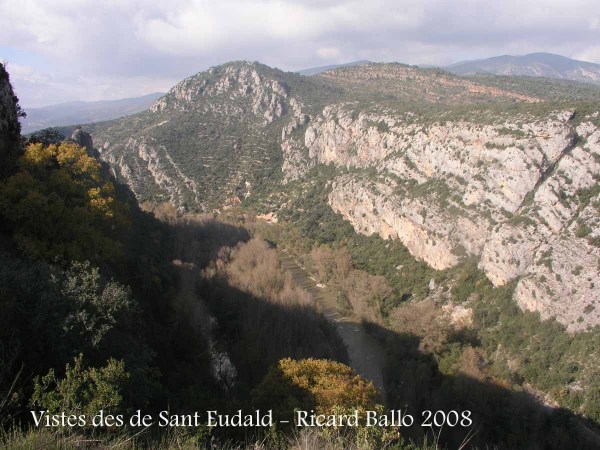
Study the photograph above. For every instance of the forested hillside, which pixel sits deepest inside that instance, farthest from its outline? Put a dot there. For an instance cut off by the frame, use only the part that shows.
(107, 307)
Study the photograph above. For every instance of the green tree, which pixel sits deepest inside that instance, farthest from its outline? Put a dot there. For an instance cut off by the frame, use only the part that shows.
(46, 136)
(82, 390)
(59, 205)
(95, 305)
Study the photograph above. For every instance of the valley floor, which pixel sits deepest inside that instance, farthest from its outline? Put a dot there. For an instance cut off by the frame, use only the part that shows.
(367, 357)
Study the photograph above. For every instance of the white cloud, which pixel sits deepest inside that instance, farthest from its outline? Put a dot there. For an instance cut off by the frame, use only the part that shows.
(26, 73)
(591, 53)
(35, 88)
(329, 53)
(117, 43)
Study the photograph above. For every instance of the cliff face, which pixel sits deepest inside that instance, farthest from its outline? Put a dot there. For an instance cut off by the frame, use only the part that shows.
(10, 129)
(521, 196)
(454, 169)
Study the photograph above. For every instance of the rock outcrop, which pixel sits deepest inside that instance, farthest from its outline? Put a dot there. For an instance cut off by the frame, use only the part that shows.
(10, 130)
(84, 139)
(235, 81)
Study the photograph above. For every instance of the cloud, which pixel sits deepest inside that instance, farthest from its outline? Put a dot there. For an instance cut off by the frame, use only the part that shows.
(591, 53)
(121, 45)
(46, 88)
(329, 53)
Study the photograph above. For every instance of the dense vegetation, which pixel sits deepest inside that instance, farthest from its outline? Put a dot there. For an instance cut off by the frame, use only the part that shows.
(263, 316)
(315, 224)
(85, 276)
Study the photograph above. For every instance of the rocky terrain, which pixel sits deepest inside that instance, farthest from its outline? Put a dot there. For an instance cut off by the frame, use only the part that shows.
(456, 169)
(215, 133)
(9, 122)
(507, 194)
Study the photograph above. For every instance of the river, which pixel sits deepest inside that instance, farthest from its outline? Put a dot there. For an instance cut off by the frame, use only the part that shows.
(366, 355)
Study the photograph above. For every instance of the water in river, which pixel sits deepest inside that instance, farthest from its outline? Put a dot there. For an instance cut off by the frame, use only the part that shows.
(367, 357)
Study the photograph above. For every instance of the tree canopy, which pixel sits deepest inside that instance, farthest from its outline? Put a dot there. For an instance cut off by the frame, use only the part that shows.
(59, 204)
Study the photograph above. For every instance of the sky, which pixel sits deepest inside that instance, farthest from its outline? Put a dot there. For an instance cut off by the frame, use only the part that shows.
(64, 50)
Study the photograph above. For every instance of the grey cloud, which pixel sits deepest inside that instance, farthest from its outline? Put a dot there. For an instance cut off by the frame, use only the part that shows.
(119, 43)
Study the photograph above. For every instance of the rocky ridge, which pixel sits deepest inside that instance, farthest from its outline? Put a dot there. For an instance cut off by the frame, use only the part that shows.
(267, 97)
(214, 133)
(409, 82)
(9, 122)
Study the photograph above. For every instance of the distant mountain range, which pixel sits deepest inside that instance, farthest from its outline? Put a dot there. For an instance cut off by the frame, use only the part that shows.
(546, 65)
(534, 65)
(71, 113)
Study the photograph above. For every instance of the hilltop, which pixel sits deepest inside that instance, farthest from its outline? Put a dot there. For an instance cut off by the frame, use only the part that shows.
(545, 65)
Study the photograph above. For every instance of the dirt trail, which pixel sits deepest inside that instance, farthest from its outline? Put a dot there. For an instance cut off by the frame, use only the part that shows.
(367, 357)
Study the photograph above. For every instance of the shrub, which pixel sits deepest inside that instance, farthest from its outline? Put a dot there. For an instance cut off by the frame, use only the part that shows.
(318, 384)
(82, 390)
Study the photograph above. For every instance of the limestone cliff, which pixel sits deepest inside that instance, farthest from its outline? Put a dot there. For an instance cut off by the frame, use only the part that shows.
(10, 130)
(507, 193)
